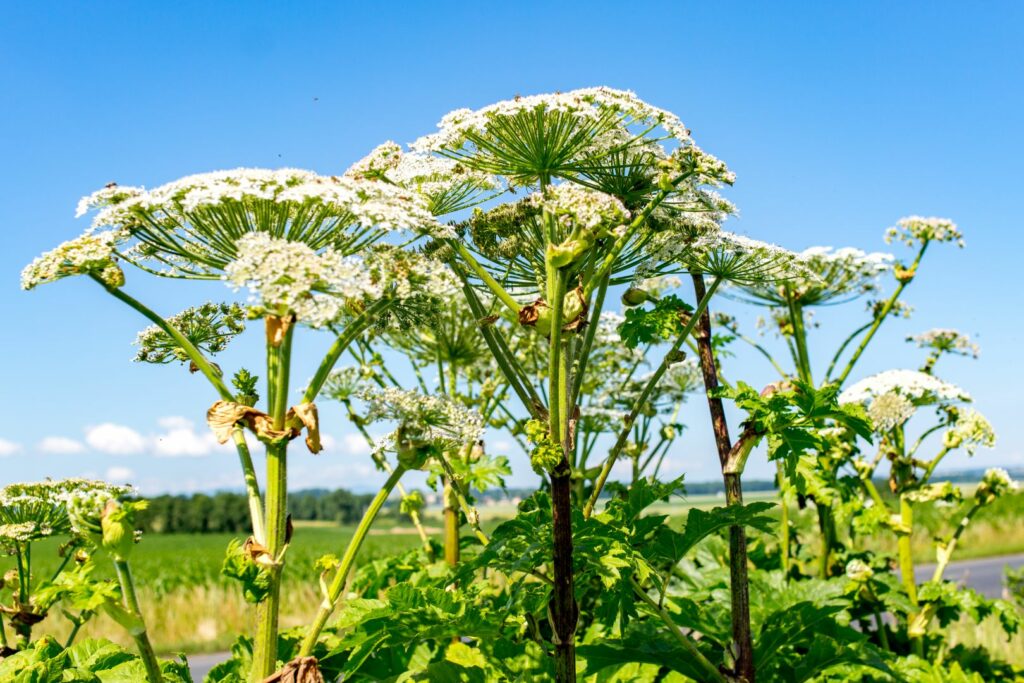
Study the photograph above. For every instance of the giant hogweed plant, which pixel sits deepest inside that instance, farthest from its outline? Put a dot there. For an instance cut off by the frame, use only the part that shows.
(843, 480)
(553, 203)
(615, 191)
(312, 251)
(840, 276)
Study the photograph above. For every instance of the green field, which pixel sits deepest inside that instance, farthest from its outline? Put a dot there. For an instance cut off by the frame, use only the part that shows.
(190, 606)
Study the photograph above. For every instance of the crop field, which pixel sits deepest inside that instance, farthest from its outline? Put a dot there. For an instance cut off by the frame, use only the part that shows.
(193, 608)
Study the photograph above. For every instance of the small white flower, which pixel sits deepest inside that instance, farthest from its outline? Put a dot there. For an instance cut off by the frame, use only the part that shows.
(917, 386)
(890, 410)
(970, 431)
(918, 230)
(89, 253)
(946, 341)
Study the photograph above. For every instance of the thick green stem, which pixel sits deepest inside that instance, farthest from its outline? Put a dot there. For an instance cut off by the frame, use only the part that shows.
(741, 633)
(796, 314)
(904, 546)
(623, 437)
(131, 604)
(827, 536)
(265, 646)
(451, 524)
(347, 561)
(784, 531)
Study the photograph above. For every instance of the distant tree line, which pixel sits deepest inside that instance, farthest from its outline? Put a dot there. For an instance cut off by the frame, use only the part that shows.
(229, 512)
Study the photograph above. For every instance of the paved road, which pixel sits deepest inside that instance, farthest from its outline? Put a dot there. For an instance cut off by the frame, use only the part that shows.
(201, 664)
(984, 575)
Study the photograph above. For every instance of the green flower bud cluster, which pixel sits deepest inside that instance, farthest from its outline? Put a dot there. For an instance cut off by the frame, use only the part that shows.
(244, 383)
(413, 449)
(105, 521)
(586, 215)
(546, 454)
(411, 503)
(209, 327)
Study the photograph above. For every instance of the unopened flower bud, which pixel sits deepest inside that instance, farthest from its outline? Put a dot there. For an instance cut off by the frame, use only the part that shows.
(858, 570)
(634, 296)
(903, 275)
(112, 275)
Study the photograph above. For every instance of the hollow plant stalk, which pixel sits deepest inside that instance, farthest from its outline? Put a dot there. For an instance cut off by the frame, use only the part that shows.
(564, 609)
(278, 367)
(138, 632)
(739, 582)
(347, 562)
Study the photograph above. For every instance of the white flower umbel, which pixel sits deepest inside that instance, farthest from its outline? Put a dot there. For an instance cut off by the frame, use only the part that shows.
(289, 277)
(890, 410)
(436, 419)
(735, 258)
(404, 274)
(970, 431)
(590, 104)
(596, 130)
(447, 185)
(194, 223)
(914, 230)
(578, 208)
(946, 340)
(919, 387)
(92, 252)
(836, 275)
(30, 511)
(996, 482)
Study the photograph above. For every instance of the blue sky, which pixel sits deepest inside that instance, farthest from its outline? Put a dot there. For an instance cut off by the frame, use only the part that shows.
(838, 118)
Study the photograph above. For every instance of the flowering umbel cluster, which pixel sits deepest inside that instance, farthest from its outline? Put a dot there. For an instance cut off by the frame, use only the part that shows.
(425, 423)
(915, 230)
(209, 327)
(92, 253)
(32, 511)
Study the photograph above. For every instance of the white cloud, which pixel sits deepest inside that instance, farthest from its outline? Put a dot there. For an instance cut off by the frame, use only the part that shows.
(328, 442)
(181, 439)
(119, 475)
(115, 439)
(8, 447)
(175, 422)
(355, 444)
(60, 445)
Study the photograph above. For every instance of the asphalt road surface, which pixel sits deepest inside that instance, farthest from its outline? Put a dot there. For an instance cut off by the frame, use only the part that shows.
(984, 575)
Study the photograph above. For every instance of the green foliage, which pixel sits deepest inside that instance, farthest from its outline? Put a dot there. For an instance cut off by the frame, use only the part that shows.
(88, 661)
(239, 565)
(664, 322)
